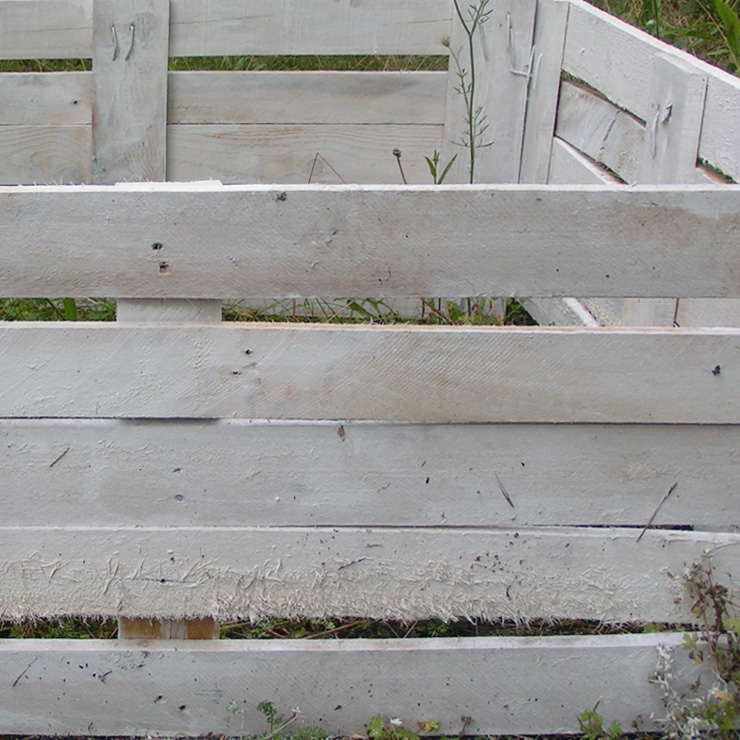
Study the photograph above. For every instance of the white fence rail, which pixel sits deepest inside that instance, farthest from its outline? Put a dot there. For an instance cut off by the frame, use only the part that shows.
(170, 467)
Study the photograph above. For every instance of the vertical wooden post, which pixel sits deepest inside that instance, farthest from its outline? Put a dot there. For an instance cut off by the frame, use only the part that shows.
(503, 62)
(672, 132)
(551, 23)
(130, 63)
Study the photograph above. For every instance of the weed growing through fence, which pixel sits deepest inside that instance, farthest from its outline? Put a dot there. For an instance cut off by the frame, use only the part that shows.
(592, 726)
(706, 711)
(476, 120)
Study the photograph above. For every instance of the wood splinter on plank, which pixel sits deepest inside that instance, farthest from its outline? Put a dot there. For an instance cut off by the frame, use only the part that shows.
(652, 516)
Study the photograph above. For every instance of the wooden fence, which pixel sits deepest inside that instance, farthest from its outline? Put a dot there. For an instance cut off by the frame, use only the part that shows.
(171, 467)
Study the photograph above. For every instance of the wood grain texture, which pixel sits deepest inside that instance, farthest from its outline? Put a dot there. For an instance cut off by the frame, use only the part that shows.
(544, 88)
(45, 29)
(392, 373)
(380, 573)
(606, 134)
(130, 90)
(569, 166)
(374, 241)
(708, 312)
(502, 43)
(506, 685)
(107, 473)
(45, 155)
(307, 97)
(232, 27)
(720, 136)
(287, 153)
(48, 98)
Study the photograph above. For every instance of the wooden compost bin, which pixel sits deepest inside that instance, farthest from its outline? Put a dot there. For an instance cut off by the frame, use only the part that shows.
(174, 468)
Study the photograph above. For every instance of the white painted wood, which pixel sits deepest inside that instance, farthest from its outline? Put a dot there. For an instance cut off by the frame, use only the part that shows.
(380, 573)
(151, 311)
(502, 59)
(719, 138)
(544, 89)
(159, 473)
(568, 166)
(605, 133)
(306, 97)
(287, 153)
(45, 154)
(633, 312)
(708, 312)
(393, 373)
(374, 241)
(506, 685)
(45, 29)
(207, 27)
(612, 56)
(130, 90)
(559, 312)
(677, 92)
(58, 98)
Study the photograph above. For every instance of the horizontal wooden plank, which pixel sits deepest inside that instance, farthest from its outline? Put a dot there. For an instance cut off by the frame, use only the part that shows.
(506, 685)
(387, 373)
(105, 473)
(281, 153)
(379, 241)
(45, 154)
(46, 29)
(401, 573)
(307, 97)
(708, 312)
(208, 27)
(50, 98)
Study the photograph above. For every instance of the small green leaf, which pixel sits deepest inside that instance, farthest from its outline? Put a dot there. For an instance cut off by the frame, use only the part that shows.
(731, 24)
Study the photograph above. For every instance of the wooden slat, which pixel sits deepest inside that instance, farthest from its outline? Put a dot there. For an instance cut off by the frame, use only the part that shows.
(130, 90)
(502, 43)
(393, 373)
(46, 29)
(596, 127)
(720, 136)
(45, 155)
(375, 241)
(307, 97)
(207, 27)
(506, 685)
(380, 573)
(708, 312)
(568, 166)
(544, 86)
(287, 154)
(49, 98)
(103, 473)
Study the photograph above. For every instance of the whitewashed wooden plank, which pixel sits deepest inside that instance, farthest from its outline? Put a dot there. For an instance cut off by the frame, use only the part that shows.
(708, 312)
(369, 241)
(223, 27)
(570, 166)
(544, 89)
(559, 312)
(502, 59)
(612, 56)
(106, 473)
(307, 97)
(720, 134)
(392, 373)
(506, 685)
(45, 154)
(632, 311)
(49, 98)
(288, 153)
(380, 573)
(130, 90)
(46, 29)
(677, 92)
(162, 310)
(605, 133)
